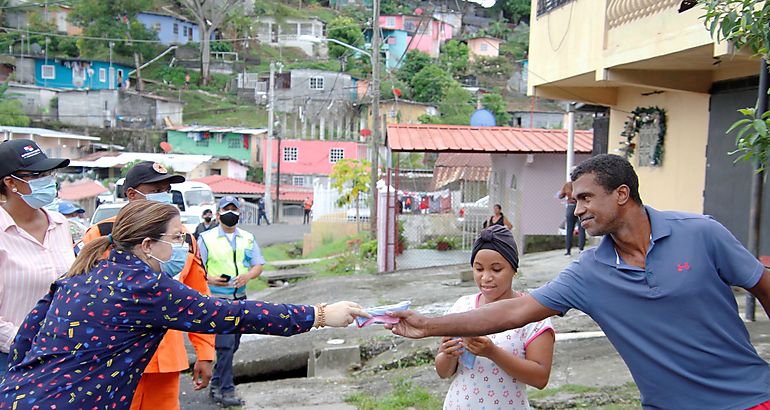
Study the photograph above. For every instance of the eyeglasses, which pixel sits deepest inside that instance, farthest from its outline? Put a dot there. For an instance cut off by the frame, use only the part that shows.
(178, 238)
(28, 176)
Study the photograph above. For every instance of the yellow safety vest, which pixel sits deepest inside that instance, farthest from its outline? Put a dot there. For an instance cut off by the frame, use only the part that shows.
(223, 260)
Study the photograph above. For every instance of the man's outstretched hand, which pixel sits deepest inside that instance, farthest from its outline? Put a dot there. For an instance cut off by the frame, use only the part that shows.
(411, 324)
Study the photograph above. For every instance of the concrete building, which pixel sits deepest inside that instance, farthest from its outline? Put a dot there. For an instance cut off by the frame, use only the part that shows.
(483, 47)
(631, 55)
(241, 144)
(18, 13)
(304, 34)
(56, 144)
(72, 73)
(304, 160)
(117, 109)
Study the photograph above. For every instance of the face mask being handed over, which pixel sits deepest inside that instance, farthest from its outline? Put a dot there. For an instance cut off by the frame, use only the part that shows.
(43, 191)
(162, 197)
(229, 218)
(174, 265)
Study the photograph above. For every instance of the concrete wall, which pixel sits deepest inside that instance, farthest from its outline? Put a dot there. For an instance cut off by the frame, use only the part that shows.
(88, 108)
(526, 187)
(548, 120)
(291, 33)
(36, 102)
(172, 110)
(336, 86)
(679, 183)
(184, 144)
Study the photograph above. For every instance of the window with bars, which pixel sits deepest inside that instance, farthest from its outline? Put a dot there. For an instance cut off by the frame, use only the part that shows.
(316, 83)
(336, 154)
(544, 6)
(234, 142)
(298, 181)
(290, 154)
(48, 72)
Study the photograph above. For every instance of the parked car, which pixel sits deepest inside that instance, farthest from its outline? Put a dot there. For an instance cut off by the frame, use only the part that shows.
(107, 210)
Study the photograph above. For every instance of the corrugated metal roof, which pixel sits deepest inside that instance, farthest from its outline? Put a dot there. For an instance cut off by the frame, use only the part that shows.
(205, 128)
(449, 159)
(81, 190)
(502, 140)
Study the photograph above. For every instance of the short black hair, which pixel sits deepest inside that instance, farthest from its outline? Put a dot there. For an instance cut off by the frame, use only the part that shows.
(207, 211)
(610, 171)
(498, 206)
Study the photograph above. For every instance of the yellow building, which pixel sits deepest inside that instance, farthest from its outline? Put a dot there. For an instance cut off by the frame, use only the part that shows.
(629, 54)
(401, 112)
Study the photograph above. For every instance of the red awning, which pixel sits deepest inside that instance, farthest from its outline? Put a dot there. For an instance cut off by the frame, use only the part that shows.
(81, 190)
(501, 140)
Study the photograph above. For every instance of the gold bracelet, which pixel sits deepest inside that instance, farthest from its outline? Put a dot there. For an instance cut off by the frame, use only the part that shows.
(320, 315)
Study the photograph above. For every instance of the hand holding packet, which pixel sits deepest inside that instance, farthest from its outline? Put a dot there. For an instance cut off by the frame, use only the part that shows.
(468, 359)
(379, 314)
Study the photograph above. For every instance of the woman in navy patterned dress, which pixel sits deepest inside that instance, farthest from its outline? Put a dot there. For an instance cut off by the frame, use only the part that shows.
(87, 342)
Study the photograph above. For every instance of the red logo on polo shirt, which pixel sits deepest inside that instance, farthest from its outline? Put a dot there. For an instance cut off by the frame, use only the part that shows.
(683, 266)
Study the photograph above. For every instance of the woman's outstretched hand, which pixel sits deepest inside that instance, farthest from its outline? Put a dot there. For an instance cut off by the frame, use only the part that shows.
(411, 324)
(342, 314)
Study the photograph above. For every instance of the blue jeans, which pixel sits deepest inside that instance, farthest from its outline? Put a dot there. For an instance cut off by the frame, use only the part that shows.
(3, 364)
(226, 346)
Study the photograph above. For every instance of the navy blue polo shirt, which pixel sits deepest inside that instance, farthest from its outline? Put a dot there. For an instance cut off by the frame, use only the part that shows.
(675, 323)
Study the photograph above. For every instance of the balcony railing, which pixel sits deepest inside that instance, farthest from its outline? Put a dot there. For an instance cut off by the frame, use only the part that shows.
(544, 6)
(620, 12)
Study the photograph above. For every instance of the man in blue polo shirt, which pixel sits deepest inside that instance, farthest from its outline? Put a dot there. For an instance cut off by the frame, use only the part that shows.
(659, 287)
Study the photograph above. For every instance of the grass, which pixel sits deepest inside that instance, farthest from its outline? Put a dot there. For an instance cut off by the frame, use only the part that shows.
(567, 388)
(404, 395)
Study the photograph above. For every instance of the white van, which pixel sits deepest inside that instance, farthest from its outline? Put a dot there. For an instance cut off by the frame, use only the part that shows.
(190, 197)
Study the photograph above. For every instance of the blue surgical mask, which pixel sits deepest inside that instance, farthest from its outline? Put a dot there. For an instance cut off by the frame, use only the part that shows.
(174, 265)
(43, 191)
(162, 197)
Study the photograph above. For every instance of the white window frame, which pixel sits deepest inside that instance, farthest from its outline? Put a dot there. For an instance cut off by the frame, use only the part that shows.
(102, 75)
(290, 154)
(317, 83)
(484, 47)
(295, 179)
(336, 154)
(51, 76)
(390, 21)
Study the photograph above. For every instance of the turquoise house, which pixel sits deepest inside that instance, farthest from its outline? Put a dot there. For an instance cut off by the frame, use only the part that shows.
(79, 73)
(238, 143)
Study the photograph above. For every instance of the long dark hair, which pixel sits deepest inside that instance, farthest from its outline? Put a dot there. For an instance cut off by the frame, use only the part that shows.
(135, 222)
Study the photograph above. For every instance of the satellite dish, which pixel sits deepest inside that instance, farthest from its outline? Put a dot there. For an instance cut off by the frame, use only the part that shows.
(483, 118)
(166, 147)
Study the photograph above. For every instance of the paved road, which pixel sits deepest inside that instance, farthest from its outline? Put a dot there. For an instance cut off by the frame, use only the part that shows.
(277, 233)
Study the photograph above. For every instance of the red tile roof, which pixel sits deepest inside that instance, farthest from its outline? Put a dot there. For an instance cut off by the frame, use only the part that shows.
(81, 190)
(224, 185)
(461, 138)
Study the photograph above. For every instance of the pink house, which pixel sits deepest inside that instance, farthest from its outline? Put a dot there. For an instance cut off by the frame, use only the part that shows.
(483, 47)
(423, 33)
(301, 160)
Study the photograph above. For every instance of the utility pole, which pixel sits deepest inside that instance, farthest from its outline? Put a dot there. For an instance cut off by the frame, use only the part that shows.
(278, 184)
(375, 142)
(570, 138)
(269, 149)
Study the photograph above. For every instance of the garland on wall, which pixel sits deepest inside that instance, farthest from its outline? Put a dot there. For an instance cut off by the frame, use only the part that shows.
(640, 117)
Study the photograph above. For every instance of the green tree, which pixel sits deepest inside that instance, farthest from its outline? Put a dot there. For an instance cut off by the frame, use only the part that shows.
(11, 112)
(210, 16)
(496, 103)
(113, 19)
(346, 30)
(517, 45)
(497, 29)
(431, 84)
(454, 58)
(514, 10)
(414, 62)
(455, 108)
(350, 177)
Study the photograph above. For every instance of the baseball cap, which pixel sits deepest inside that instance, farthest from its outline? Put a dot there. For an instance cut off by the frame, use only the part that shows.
(26, 155)
(66, 208)
(227, 200)
(148, 172)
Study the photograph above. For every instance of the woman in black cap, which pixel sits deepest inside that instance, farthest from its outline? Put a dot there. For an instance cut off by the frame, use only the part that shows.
(493, 371)
(35, 245)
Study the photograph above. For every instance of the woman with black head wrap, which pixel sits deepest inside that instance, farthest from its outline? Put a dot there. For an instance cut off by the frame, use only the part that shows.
(493, 371)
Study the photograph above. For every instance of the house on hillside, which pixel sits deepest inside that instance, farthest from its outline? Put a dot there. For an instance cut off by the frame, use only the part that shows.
(401, 33)
(56, 144)
(304, 34)
(646, 57)
(483, 46)
(242, 144)
(70, 73)
(55, 13)
(113, 109)
(170, 28)
(301, 161)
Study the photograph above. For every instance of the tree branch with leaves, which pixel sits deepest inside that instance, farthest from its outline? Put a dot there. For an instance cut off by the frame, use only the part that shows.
(350, 177)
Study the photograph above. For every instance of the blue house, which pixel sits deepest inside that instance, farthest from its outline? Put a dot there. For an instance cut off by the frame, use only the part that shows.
(394, 45)
(79, 73)
(170, 29)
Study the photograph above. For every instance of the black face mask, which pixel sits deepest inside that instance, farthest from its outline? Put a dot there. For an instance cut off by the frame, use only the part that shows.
(229, 218)
(207, 219)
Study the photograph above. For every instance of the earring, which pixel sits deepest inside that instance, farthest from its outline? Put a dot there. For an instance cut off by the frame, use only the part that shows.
(15, 190)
